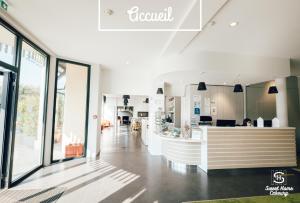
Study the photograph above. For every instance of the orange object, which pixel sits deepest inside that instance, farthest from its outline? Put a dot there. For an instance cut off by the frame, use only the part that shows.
(79, 150)
(74, 150)
(105, 123)
(69, 152)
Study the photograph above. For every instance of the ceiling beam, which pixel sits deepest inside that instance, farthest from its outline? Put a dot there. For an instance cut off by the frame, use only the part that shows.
(180, 41)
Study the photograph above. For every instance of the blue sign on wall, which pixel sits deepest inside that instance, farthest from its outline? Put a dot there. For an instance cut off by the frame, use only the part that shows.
(197, 111)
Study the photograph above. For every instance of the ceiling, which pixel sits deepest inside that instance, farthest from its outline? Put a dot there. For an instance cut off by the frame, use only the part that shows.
(266, 28)
(70, 29)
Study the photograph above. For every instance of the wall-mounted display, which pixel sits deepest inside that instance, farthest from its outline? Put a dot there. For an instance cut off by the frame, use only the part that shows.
(197, 111)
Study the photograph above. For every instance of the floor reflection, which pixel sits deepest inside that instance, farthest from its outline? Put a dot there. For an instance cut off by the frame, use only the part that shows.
(121, 139)
(90, 182)
(126, 172)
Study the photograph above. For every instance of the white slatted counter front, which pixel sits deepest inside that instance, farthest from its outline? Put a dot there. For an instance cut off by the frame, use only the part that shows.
(180, 150)
(248, 147)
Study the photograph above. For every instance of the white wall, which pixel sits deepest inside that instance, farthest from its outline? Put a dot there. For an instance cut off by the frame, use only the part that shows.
(109, 110)
(140, 105)
(219, 68)
(110, 107)
(229, 105)
(259, 102)
(182, 69)
(75, 104)
(137, 102)
(95, 111)
(127, 81)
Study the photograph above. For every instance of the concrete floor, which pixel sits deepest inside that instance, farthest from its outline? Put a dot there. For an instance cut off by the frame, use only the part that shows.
(166, 183)
(126, 172)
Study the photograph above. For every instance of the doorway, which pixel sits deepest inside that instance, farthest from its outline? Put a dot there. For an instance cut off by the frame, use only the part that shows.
(7, 92)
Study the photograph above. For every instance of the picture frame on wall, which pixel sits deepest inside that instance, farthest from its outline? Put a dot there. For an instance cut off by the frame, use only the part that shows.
(197, 111)
(213, 111)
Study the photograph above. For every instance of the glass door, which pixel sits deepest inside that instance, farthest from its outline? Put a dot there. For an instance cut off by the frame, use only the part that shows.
(7, 87)
(30, 118)
(24, 133)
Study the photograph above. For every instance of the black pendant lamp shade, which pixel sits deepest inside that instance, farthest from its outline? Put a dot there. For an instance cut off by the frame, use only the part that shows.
(125, 101)
(104, 99)
(273, 90)
(147, 100)
(160, 91)
(126, 97)
(238, 88)
(202, 86)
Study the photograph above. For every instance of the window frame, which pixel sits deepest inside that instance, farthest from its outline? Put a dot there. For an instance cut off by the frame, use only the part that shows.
(58, 60)
(20, 38)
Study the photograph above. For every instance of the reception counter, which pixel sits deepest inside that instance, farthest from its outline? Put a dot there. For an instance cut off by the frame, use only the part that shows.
(247, 147)
(231, 148)
(180, 150)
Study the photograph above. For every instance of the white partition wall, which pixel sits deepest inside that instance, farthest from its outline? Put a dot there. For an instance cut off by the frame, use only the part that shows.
(156, 102)
(220, 102)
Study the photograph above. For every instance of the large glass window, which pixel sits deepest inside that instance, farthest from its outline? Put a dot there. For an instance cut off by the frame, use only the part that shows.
(7, 46)
(28, 146)
(71, 109)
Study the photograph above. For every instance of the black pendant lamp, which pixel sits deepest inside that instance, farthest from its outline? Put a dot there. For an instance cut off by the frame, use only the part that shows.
(125, 101)
(126, 97)
(104, 99)
(238, 88)
(160, 91)
(201, 86)
(273, 90)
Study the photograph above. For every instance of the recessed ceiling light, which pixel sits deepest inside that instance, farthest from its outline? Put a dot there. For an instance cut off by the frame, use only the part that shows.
(127, 62)
(109, 12)
(224, 83)
(233, 24)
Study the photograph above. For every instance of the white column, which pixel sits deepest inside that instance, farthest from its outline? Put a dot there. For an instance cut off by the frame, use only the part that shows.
(94, 128)
(245, 100)
(156, 102)
(281, 102)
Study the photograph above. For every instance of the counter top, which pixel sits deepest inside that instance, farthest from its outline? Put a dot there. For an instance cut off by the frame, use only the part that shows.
(180, 139)
(243, 127)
